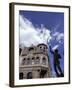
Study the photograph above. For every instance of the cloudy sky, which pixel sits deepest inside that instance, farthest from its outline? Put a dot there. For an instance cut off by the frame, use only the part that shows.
(43, 27)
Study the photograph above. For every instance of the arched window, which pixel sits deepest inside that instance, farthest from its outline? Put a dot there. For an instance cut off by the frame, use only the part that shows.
(33, 60)
(43, 73)
(44, 49)
(29, 75)
(24, 61)
(37, 57)
(28, 61)
(20, 75)
(44, 60)
(31, 48)
(37, 61)
(40, 47)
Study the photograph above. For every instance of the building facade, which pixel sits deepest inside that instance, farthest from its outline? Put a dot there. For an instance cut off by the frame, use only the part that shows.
(34, 62)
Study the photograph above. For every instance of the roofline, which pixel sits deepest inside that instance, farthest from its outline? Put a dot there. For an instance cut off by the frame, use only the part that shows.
(42, 44)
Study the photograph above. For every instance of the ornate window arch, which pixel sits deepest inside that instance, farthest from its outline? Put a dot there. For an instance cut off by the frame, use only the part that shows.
(29, 75)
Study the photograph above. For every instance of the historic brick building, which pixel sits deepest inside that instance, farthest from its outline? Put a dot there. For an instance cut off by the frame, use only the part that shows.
(34, 62)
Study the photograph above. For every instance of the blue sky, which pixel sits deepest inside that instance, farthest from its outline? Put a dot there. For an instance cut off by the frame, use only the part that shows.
(44, 24)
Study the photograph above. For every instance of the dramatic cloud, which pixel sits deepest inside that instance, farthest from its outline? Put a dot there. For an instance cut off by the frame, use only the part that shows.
(31, 35)
(58, 35)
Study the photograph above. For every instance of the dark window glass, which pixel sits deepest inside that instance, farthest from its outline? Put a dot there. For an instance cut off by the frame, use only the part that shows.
(37, 57)
(31, 48)
(44, 48)
(28, 60)
(20, 51)
(40, 47)
(44, 60)
(43, 73)
(21, 75)
(33, 58)
(37, 61)
(29, 75)
(24, 60)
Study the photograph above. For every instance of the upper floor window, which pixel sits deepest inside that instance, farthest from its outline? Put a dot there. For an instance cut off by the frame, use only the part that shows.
(24, 61)
(44, 49)
(37, 57)
(31, 48)
(37, 61)
(44, 60)
(40, 47)
(28, 61)
(33, 60)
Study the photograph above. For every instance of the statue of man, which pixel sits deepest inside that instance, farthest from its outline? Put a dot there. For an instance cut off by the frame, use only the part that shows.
(56, 62)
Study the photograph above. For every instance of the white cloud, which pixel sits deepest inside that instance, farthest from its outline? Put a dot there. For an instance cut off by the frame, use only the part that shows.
(30, 35)
(58, 36)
